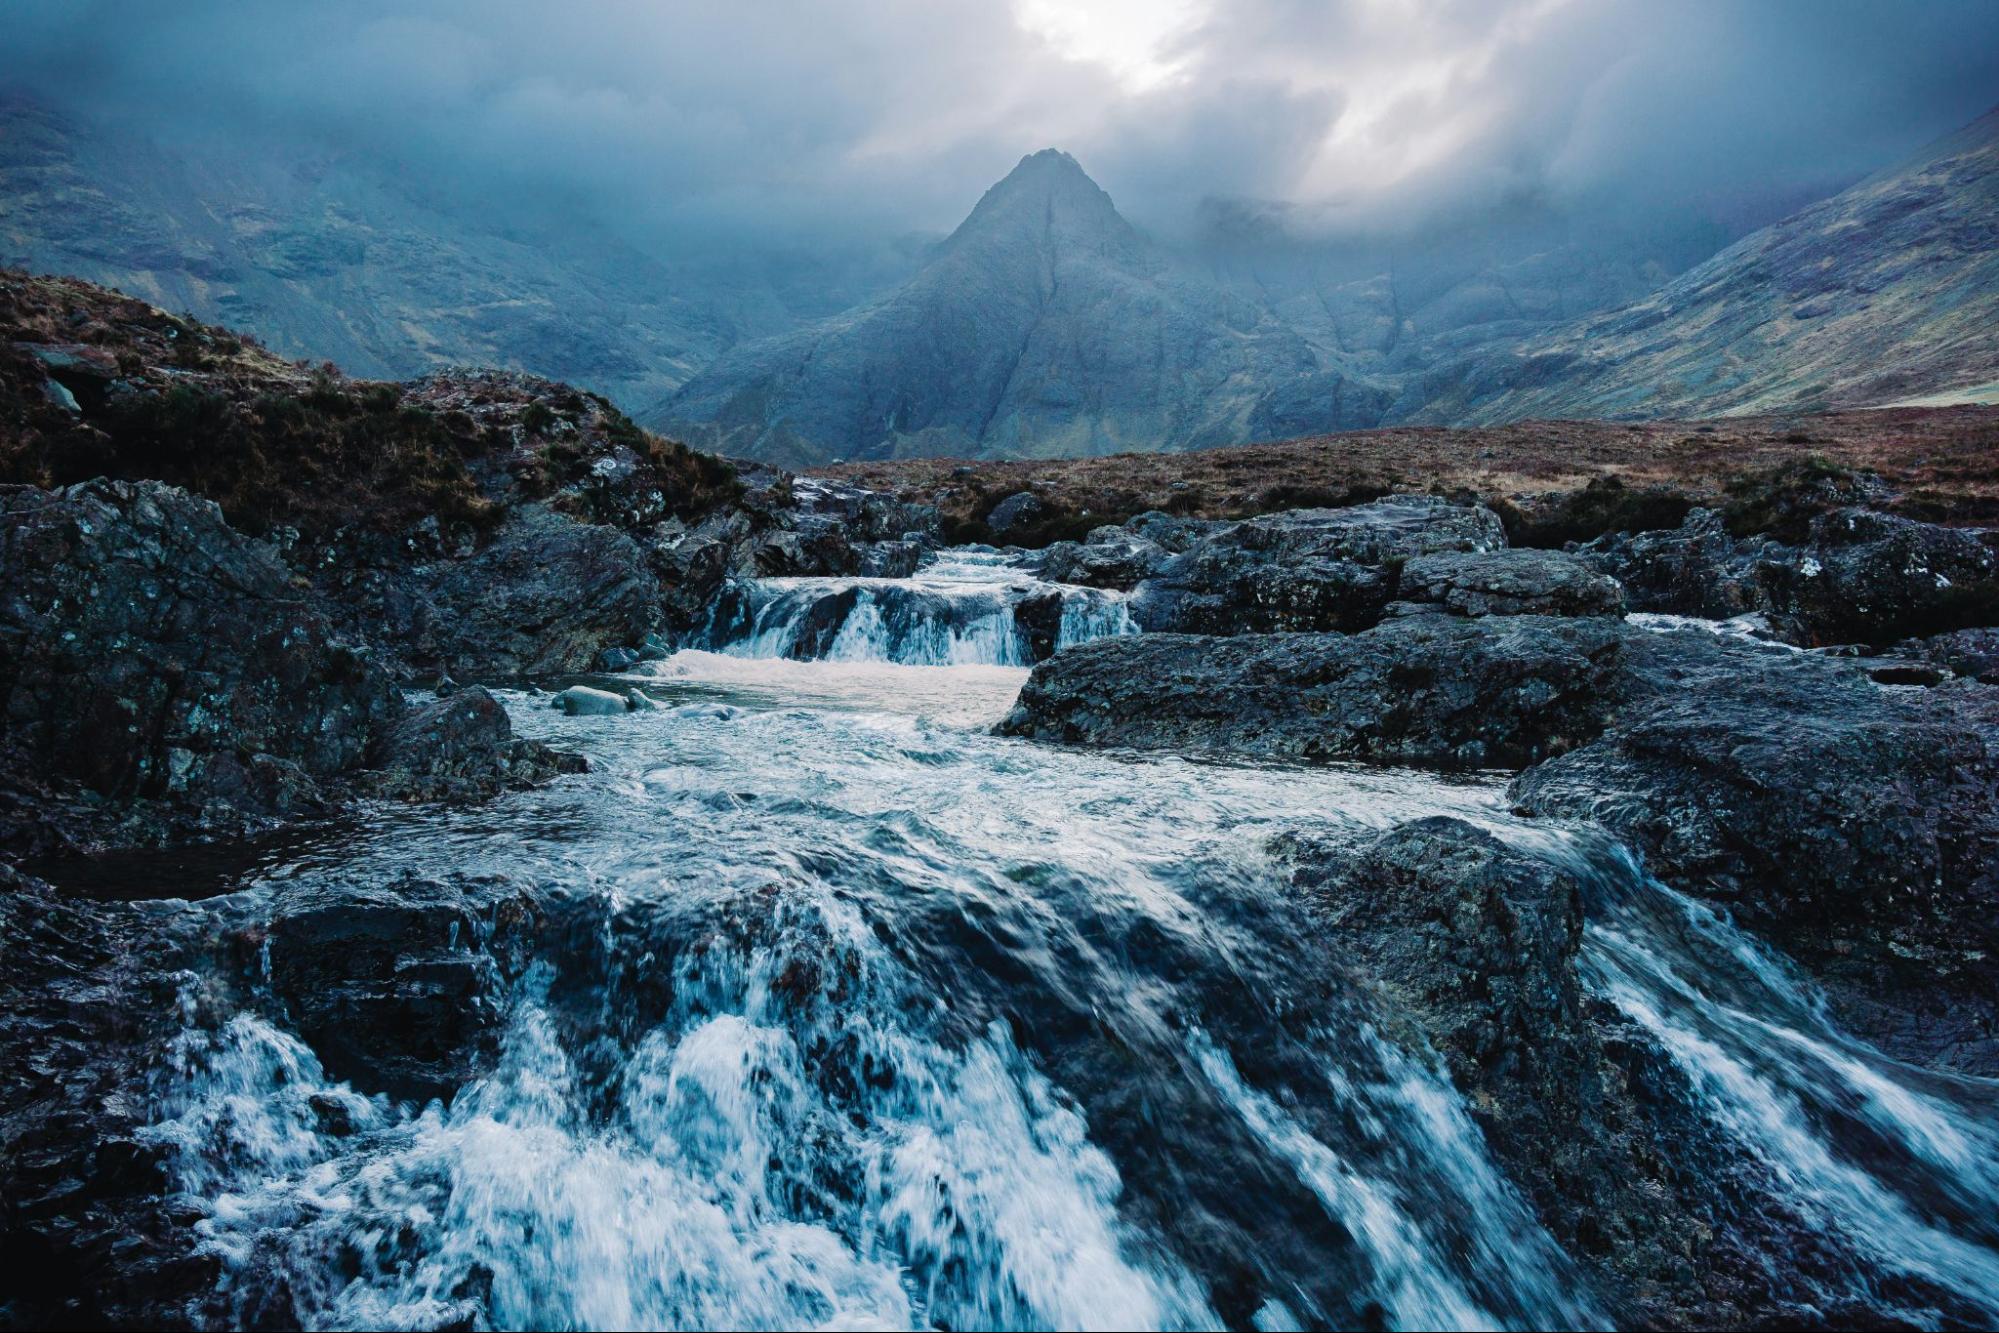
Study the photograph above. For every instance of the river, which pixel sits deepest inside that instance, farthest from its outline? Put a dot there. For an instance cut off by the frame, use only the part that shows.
(866, 1018)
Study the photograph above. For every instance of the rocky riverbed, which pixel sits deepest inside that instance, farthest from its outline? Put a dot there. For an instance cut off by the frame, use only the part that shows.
(470, 863)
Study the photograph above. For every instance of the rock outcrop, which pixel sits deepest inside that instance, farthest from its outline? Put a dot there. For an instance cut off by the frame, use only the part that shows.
(1697, 569)
(1471, 949)
(1424, 689)
(1307, 569)
(480, 523)
(1866, 577)
(1510, 583)
(167, 665)
(94, 1233)
(1855, 576)
(1973, 653)
(1853, 824)
(1836, 805)
(399, 987)
(460, 748)
(1122, 556)
(165, 678)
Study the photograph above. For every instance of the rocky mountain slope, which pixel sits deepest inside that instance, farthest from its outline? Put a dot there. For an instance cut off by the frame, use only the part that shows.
(382, 272)
(1888, 291)
(1046, 325)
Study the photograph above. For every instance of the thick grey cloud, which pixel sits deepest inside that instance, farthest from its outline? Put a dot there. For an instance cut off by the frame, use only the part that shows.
(718, 123)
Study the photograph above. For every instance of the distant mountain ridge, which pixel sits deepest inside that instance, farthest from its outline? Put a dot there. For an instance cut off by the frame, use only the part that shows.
(326, 257)
(1022, 338)
(1886, 292)
(1044, 326)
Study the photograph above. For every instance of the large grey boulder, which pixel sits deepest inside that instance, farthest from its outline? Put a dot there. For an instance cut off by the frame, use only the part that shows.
(150, 653)
(1426, 689)
(462, 747)
(1121, 556)
(1510, 583)
(1869, 577)
(1859, 576)
(1696, 569)
(545, 596)
(1856, 825)
(1016, 511)
(1118, 559)
(1307, 569)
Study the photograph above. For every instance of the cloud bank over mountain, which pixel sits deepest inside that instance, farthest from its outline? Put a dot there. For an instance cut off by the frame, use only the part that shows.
(710, 127)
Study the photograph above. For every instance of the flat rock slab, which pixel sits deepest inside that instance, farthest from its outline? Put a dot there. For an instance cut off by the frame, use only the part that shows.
(1510, 583)
(1426, 689)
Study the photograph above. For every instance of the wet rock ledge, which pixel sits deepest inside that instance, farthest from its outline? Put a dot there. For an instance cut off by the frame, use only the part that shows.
(1843, 802)
(223, 571)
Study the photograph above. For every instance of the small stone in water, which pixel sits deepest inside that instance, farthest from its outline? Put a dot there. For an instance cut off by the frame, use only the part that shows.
(582, 701)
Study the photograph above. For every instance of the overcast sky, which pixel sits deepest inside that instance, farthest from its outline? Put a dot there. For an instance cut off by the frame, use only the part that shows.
(893, 115)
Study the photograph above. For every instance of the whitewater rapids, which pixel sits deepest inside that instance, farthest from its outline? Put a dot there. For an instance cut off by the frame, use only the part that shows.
(874, 1020)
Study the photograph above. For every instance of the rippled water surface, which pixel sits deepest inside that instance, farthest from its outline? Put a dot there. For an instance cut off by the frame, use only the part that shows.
(861, 1017)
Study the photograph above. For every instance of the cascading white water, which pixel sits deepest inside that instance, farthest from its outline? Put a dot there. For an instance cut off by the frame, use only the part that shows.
(968, 607)
(849, 1014)
(1900, 1164)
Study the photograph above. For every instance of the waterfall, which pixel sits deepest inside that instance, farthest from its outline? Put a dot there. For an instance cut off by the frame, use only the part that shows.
(842, 1015)
(968, 608)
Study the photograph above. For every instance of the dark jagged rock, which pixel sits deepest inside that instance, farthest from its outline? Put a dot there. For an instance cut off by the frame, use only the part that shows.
(167, 664)
(1307, 569)
(823, 527)
(399, 987)
(1859, 577)
(1844, 814)
(1696, 569)
(889, 559)
(1476, 942)
(166, 679)
(1016, 511)
(545, 597)
(1510, 583)
(1854, 824)
(1039, 620)
(1117, 559)
(1174, 532)
(1966, 652)
(1866, 577)
(1472, 950)
(1427, 689)
(93, 1235)
(1122, 556)
(462, 747)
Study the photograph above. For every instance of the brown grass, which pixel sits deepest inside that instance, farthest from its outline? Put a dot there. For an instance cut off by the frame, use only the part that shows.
(1940, 464)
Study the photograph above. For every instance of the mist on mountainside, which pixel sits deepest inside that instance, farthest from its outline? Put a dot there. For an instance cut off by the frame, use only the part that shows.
(624, 202)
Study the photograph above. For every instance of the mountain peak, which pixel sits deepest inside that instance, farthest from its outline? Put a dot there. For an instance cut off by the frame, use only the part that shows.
(1050, 160)
(1048, 194)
